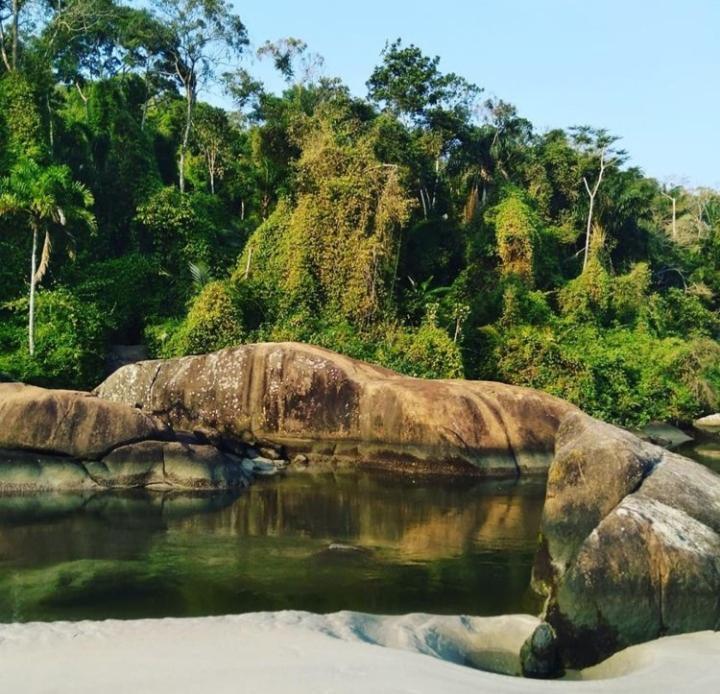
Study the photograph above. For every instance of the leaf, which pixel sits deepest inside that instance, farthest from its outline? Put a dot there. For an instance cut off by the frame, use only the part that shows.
(44, 259)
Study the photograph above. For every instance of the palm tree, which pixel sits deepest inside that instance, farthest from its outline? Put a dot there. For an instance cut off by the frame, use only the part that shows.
(47, 197)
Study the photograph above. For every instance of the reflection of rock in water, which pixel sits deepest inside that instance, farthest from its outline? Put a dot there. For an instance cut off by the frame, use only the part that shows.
(320, 542)
(55, 526)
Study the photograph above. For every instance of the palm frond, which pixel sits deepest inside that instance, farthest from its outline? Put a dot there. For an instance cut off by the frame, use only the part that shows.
(44, 259)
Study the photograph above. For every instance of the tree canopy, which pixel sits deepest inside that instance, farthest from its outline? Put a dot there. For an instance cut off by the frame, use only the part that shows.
(422, 226)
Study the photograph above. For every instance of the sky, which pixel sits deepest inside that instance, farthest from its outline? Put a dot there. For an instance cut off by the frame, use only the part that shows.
(647, 70)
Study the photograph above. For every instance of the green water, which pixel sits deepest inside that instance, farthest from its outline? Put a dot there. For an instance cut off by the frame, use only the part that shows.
(442, 546)
(437, 546)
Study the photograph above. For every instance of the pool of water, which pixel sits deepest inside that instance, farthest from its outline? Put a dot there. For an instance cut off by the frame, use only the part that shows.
(319, 542)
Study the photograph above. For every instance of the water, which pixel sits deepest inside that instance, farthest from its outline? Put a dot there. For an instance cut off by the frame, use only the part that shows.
(405, 545)
(442, 546)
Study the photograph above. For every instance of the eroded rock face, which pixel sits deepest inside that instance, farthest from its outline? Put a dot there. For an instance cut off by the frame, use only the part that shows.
(69, 422)
(58, 440)
(169, 464)
(313, 401)
(631, 542)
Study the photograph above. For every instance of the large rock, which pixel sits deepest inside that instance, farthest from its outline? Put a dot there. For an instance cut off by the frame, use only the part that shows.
(69, 422)
(160, 465)
(630, 542)
(311, 400)
(171, 464)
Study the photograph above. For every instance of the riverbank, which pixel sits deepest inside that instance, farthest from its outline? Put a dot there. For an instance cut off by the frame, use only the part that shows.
(300, 652)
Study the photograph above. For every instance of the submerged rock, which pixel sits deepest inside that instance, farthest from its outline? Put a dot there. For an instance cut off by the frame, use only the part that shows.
(314, 402)
(26, 471)
(665, 435)
(630, 542)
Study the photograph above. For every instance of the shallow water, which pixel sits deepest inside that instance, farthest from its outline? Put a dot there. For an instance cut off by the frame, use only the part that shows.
(319, 542)
(705, 450)
(405, 545)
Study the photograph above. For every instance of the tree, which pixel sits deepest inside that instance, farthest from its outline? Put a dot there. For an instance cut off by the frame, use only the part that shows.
(673, 198)
(595, 144)
(290, 57)
(212, 128)
(10, 10)
(437, 106)
(204, 34)
(46, 197)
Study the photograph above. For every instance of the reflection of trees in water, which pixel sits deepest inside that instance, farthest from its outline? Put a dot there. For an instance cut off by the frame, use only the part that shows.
(418, 521)
(442, 546)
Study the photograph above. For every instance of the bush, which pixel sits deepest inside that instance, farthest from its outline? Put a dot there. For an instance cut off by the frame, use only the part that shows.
(213, 322)
(627, 376)
(69, 341)
(127, 289)
(425, 352)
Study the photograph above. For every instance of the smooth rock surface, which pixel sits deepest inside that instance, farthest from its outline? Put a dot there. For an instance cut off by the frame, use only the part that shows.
(710, 424)
(69, 422)
(631, 543)
(168, 464)
(25, 471)
(312, 401)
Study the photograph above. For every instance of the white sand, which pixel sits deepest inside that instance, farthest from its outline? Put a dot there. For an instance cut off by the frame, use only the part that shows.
(298, 652)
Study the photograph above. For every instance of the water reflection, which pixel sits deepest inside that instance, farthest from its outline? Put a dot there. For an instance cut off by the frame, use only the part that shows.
(704, 450)
(405, 545)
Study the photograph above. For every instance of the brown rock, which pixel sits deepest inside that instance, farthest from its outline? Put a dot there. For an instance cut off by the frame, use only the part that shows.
(631, 542)
(69, 422)
(168, 464)
(310, 400)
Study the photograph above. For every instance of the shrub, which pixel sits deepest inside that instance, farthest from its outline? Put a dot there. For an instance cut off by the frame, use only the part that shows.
(213, 322)
(69, 341)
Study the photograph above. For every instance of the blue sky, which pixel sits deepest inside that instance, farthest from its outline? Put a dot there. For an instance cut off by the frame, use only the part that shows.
(648, 70)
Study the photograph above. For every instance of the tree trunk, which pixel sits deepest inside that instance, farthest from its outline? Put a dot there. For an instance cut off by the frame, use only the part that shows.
(674, 221)
(186, 134)
(588, 231)
(15, 31)
(51, 129)
(247, 265)
(33, 272)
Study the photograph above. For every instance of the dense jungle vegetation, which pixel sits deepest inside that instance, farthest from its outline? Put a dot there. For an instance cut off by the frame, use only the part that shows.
(425, 226)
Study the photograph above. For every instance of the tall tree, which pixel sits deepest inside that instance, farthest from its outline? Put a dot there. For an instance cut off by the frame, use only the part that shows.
(204, 34)
(46, 197)
(436, 106)
(596, 145)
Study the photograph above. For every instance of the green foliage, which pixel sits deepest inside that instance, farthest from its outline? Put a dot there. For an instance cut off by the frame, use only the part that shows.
(128, 290)
(401, 229)
(21, 124)
(213, 322)
(425, 352)
(623, 375)
(70, 339)
(337, 246)
(515, 231)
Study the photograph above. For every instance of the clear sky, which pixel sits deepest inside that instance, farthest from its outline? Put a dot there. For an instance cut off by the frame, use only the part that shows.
(647, 70)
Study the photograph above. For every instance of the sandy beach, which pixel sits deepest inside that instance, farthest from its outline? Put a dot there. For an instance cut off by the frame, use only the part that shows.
(303, 653)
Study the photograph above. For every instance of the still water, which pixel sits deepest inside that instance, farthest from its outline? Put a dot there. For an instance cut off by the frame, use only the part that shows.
(319, 542)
